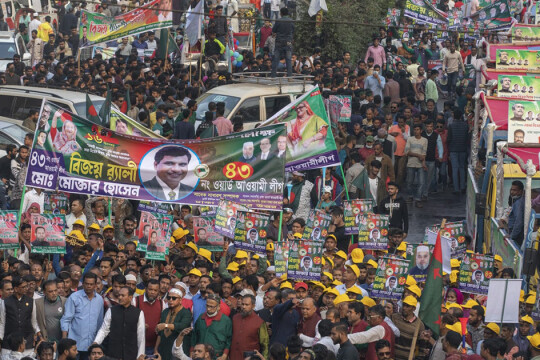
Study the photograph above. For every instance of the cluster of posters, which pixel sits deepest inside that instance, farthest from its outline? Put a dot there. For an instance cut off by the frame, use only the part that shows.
(475, 272)
(55, 203)
(226, 214)
(373, 231)
(317, 225)
(523, 122)
(304, 260)
(519, 87)
(250, 231)
(352, 210)
(154, 233)
(9, 232)
(453, 233)
(48, 235)
(390, 278)
(518, 60)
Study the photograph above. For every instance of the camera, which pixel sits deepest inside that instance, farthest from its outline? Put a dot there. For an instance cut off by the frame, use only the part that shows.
(251, 355)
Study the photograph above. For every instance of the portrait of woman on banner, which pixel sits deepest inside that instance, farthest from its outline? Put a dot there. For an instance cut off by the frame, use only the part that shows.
(307, 131)
(64, 141)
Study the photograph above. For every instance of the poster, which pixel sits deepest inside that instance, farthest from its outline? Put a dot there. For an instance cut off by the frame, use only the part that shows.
(95, 28)
(317, 225)
(204, 235)
(281, 257)
(309, 142)
(454, 233)
(392, 17)
(525, 34)
(158, 250)
(78, 156)
(9, 232)
(419, 256)
(123, 124)
(424, 12)
(226, 217)
(250, 231)
(55, 203)
(523, 122)
(305, 260)
(339, 108)
(518, 60)
(151, 206)
(153, 229)
(373, 231)
(475, 272)
(390, 278)
(517, 86)
(48, 235)
(494, 17)
(353, 209)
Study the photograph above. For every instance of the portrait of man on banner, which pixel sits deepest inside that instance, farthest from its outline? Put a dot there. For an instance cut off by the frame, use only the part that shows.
(422, 261)
(307, 263)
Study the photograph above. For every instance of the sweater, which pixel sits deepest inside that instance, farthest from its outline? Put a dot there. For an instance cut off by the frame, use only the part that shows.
(397, 209)
(452, 62)
(218, 333)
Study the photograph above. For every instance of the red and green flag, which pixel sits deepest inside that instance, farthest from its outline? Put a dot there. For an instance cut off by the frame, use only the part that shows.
(91, 113)
(431, 300)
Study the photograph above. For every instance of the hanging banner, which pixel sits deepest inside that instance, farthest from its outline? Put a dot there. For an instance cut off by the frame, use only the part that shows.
(305, 260)
(281, 257)
(96, 28)
(390, 278)
(496, 16)
(123, 124)
(317, 225)
(523, 122)
(78, 156)
(9, 232)
(525, 34)
(309, 141)
(419, 254)
(226, 217)
(475, 272)
(424, 12)
(250, 231)
(392, 17)
(373, 231)
(150, 206)
(339, 108)
(353, 211)
(519, 60)
(55, 203)
(153, 229)
(205, 235)
(48, 235)
(454, 233)
(516, 86)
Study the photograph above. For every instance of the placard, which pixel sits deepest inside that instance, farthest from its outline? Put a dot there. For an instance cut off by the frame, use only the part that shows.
(501, 308)
(305, 260)
(523, 122)
(518, 60)
(352, 210)
(281, 257)
(9, 232)
(419, 255)
(55, 203)
(519, 87)
(226, 217)
(250, 231)
(317, 225)
(390, 278)
(205, 235)
(373, 231)
(475, 273)
(454, 234)
(339, 108)
(48, 235)
(152, 230)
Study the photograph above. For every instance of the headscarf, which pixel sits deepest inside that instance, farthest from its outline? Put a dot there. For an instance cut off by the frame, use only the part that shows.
(62, 141)
(459, 295)
(27, 215)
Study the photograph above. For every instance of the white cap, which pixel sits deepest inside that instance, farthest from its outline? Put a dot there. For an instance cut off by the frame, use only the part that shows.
(35, 14)
(182, 286)
(131, 277)
(176, 291)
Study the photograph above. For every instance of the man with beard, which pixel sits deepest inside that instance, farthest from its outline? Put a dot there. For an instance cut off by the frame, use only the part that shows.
(247, 153)
(67, 349)
(422, 261)
(127, 234)
(199, 299)
(249, 331)
(396, 207)
(40, 237)
(214, 328)
(108, 234)
(49, 311)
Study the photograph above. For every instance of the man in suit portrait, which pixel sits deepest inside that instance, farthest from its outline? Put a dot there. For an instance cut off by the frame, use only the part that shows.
(171, 165)
(505, 85)
(265, 150)
(518, 110)
(146, 231)
(247, 153)
(306, 264)
(152, 242)
(477, 277)
(252, 236)
(281, 147)
(40, 237)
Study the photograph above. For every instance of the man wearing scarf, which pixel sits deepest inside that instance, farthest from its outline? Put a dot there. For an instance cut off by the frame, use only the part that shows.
(213, 328)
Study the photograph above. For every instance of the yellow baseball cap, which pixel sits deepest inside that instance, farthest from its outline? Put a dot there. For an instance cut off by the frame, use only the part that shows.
(193, 246)
(256, 256)
(455, 327)
(79, 222)
(337, 282)
(329, 275)
(494, 327)
(341, 298)
(179, 233)
(410, 300)
(270, 247)
(455, 263)
(355, 269)
(354, 290)
(469, 304)
(527, 319)
(402, 246)
(498, 258)
(195, 272)
(373, 263)
(77, 234)
(534, 340)
(368, 302)
(297, 235)
(330, 290)
(285, 285)
(236, 279)
(530, 300)
(233, 266)
(318, 284)
(241, 254)
(325, 259)
(341, 254)
(107, 227)
(453, 276)
(453, 305)
(357, 256)
(94, 226)
(415, 290)
(410, 281)
(207, 254)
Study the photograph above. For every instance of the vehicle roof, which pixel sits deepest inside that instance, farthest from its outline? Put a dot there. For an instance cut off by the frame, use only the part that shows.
(6, 35)
(73, 96)
(512, 171)
(252, 90)
(5, 122)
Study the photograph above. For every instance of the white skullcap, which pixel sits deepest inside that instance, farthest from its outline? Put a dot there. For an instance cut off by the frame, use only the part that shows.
(131, 277)
(176, 291)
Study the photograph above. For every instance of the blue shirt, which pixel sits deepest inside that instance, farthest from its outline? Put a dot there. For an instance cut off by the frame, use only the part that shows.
(373, 84)
(199, 306)
(139, 45)
(516, 219)
(82, 318)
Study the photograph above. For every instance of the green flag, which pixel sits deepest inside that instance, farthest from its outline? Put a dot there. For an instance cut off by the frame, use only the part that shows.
(105, 111)
(431, 300)
(166, 44)
(91, 113)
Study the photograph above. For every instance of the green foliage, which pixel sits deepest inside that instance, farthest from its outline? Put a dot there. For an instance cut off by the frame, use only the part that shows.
(337, 38)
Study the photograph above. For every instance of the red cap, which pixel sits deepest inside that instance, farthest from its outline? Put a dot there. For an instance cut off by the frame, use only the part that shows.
(299, 285)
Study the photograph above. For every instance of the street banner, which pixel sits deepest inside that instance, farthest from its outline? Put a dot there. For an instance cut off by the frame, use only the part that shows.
(523, 122)
(250, 231)
(281, 257)
(518, 60)
(309, 142)
(55, 203)
(317, 225)
(424, 12)
(525, 34)
(519, 87)
(77, 156)
(339, 108)
(153, 229)
(373, 231)
(123, 124)
(454, 233)
(9, 232)
(494, 17)
(392, 17)
(205, 235)
(353, 211)
(226, 217)
(48, 235)
(390, 278)
(305, 260)
(475, 272)
(419, 255)
(96, 28)
(150, 206)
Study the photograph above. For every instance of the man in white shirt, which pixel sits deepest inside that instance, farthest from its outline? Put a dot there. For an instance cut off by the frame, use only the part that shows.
(151, 42)
(34, 24)
(350, 277)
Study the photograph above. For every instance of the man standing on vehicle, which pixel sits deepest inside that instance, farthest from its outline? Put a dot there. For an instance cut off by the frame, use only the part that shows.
(284, 31)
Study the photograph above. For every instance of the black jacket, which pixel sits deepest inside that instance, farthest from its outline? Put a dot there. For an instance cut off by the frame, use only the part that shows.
(397, 209)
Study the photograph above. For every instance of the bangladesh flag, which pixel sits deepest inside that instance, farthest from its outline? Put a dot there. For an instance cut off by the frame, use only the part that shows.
(105, 111)
(431, 300)
(91, 113)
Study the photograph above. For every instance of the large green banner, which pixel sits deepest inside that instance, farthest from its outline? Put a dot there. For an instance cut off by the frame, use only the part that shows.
(525, 34)
(304, 260)
(519, 87)
(390, 278)
(77, 156)
(518, 60)
(9, 232)
(424, 12)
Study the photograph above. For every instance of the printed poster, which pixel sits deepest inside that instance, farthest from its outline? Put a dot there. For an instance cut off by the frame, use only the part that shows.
(454, 234)
(9, 232)
(317, 225)
(424, 12)
(226, 217)
(523, 34)
(373, 231)
(48, 235)
(475, 272)
(250, 232)
(536, 310)
(518, 60)
(158, 250)
(419, 256)
(150, 206)
(517, 86)
(204, 234)
(353, 209)
(123, 124)
(153, 229)
(494, 17)
(390, 278)
(305, 260)
(55, 203)
(392, 17)
(281, 257)
(523, 122)
(339, 108)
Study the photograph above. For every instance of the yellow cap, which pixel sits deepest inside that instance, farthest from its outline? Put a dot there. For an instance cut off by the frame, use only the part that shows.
(354, 290)
(283, 277)
(415, 290)
(355, 269)
(329, 260)
(179, 233)
(534, 340)
(469, 304)
(241, 254)
(455, 263)
(236, 279)
(341, 298)
(256, 256)
(494, 327)
(77, 234)
(329, 275)
(341, 254)
(402, 246)
(337, 282)
(108, 227)
(318, 284)
(207, 254)
(469, 252)
(453, 305)
(285, 285)
(453, 276)
(233, 266)
(527, 319)
(297, 235)
(330, 290)
(94, 226)
(193, 246)
(270, 247)
(357, 256)
(79, 222)
(410, 281)
(455, 327)
(530, 300)
(195, 272)
(498, 258)
(410, 300)
(368, 302)
(373, 263)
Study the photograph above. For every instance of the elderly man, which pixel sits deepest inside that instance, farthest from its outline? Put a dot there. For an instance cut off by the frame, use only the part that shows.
(213, 328)
(249, 331)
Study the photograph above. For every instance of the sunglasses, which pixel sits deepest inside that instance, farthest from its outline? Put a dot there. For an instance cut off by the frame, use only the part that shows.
(172, 298)
(387, 353)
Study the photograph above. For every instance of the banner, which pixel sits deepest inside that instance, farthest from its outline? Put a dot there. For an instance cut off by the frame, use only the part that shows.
(454, 233)
(423, 12)
(317, 225)
(250, 231)
(373, 231)
(519, 60)
(95, 28)
(153, 229)
(474, 273)
(339, 108)
(48, 235)
(419, 254)
(353, 210)
(281, 257)
(158, 250)
(55, 203)
(523, 122)
(9, 232)
(494, 17)
(123, 124)
(77, 156)
(309, 141)
(390, 278)
(392, 17)
(525, 34)
(517, 86)
(150, 206)
(226, 217)
(305, 260)
(205, 235)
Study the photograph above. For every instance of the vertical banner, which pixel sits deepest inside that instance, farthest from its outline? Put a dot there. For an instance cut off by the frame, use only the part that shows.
(153, 229)
(317, 225)
(353, 211)
(250, 231)
(523, 122)
(420, 255)
(55, 204)
(158, 250)
(48, 235)
(390, 278)
(339, 108)
(226, 217)
(305, 260)
(281, 257)
(373, 231)
(475, 272)
(205, 235)
(9, 232)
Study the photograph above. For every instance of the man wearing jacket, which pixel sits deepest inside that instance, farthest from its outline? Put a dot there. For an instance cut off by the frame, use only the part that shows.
(396, 207)
(49, 311)
(387, 169)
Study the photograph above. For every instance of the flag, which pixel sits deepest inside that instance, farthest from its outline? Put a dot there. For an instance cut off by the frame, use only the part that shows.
(166, 44)
(317, 5)
(91, 113)
(105, 111)
(194, 20)
(431, 300)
